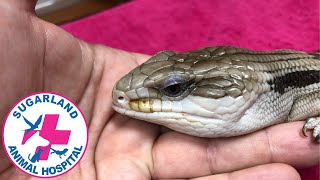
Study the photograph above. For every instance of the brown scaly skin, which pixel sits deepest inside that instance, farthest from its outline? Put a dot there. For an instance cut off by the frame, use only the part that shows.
(185, 91)
(37, 56)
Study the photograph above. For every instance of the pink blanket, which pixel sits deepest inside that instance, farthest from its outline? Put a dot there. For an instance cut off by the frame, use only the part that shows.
(148, 26)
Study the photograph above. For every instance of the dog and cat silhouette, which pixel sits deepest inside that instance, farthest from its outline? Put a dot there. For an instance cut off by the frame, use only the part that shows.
(36, 156)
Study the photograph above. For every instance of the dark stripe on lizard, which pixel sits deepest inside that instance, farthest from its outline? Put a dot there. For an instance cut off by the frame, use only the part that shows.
(296, 79)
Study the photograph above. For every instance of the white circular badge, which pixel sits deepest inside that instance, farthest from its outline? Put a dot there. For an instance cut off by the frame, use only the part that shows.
(45, 135)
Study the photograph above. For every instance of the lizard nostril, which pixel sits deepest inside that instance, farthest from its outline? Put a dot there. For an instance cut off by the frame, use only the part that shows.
(120, 99)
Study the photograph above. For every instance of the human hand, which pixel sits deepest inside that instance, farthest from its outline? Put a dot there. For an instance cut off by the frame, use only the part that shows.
(38, 56)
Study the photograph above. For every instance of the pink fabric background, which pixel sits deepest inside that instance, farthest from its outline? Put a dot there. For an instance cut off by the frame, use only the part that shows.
(148, 26)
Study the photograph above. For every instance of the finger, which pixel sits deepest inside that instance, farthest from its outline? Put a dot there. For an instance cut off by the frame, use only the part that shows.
(178, 155)
(28, 5)
(124, 147)
(109, 65)
(107, 59)
(124, 143)
(265, 172)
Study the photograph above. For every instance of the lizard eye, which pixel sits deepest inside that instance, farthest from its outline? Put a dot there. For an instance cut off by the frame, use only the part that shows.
(173, 86)
(173, 90)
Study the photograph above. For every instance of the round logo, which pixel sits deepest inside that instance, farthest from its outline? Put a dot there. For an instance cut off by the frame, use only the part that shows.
(45, 135)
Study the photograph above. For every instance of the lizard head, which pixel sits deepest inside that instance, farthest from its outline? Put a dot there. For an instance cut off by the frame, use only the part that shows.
(186, 91)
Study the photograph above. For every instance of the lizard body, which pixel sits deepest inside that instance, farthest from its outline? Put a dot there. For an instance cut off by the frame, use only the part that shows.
(223, 91)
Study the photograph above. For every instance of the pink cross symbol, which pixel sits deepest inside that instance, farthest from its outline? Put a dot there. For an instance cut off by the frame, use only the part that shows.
(49, 132)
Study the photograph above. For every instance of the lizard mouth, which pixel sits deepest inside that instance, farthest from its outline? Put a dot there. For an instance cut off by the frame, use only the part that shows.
(150, 116)
(181, 122)
(166, 118)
